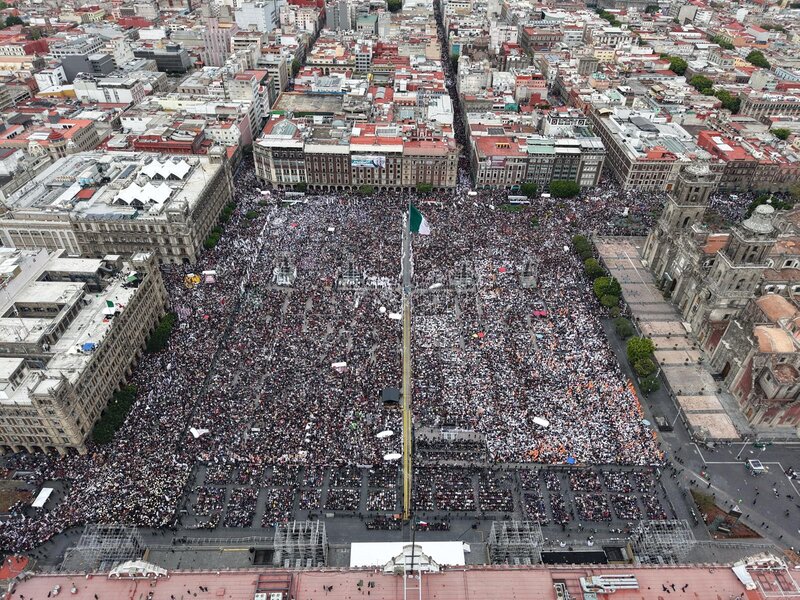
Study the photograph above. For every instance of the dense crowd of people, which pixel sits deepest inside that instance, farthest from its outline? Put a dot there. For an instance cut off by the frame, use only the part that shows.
(283, 359)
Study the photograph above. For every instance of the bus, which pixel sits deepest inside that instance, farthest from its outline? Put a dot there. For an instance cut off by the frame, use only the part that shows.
(294, 198)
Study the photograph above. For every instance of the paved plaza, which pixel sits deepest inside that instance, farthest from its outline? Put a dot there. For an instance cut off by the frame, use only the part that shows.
(692, 402)
(282, 363)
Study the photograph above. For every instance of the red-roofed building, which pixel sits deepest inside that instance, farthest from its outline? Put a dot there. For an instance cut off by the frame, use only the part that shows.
(740, 165)
(380, 155)
(751, 165)
(498, 161)
(58, 137)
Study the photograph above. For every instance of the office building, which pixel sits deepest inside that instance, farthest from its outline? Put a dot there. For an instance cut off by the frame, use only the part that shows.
(92, 204)
(71, 332)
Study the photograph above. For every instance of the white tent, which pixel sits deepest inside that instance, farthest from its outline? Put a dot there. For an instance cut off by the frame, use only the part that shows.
(42, 497)
(378, 554)
(541, 422)
(137, 569)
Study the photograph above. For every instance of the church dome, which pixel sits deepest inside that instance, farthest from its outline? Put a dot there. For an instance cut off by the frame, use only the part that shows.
(761, 219)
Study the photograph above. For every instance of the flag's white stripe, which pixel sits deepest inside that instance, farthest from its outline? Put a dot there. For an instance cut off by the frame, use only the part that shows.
(424, 228)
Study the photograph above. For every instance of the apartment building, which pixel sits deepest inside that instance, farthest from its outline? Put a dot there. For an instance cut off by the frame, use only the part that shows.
(171, 59)
(97, 203)
(71, 332)
(83, 44)
(644, 150)
(764, 104)
(504, 161)
(112, 90)
(334, 158)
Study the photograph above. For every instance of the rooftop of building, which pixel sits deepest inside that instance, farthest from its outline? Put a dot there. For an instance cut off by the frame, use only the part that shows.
(300, 104)
(773, 339)
(123, 186)
(776, 308)
(646, 135)
(521, 583)
(69, 344)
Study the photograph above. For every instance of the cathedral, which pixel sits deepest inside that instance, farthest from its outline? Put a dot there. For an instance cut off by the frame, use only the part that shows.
(738, 294)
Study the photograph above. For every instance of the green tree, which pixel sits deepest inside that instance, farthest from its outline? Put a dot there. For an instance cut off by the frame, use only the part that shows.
(583, 246)
(394, 5)
(14, 20)
(648, 385)
(562, 188)
(251, 214)
(701, 83)
(454, 62)
(296, 66)
(678, 65)
(424, 188)
(160, 337)
(613, 21)
(300, 187)
(729, 101)
(777, 203)
(609, 301)
(624, 328)
(227, 211)
(723, 43)
(593, 268)
(651, 9)
(644, 367)
(781, 133)
(757, 58)
(606, 286)
(638, 348)
(213, 238)
(366, 190)
(581, 242)
(114, 414)
(794, 191)
(528, 189)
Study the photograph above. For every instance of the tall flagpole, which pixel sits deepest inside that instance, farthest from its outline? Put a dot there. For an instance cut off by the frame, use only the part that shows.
(407, 420)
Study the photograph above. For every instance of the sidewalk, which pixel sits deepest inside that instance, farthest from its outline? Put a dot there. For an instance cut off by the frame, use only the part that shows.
(709, 412)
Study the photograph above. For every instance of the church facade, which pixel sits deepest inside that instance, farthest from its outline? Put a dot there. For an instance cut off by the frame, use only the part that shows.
(738, 293)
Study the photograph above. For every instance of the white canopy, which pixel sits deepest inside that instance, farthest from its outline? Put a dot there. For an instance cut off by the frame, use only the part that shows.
(147, 194)
(42, 497)
(377, 554)
(744, 576)
(137, 569)
(541, 422)
(177, 170)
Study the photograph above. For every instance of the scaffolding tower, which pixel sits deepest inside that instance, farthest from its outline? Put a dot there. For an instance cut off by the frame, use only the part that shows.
(284, 271)
(349, 275)
(529, 277)
(662, 542)
(300, 544)
(516, 542)
(101, 547)
(463, 276)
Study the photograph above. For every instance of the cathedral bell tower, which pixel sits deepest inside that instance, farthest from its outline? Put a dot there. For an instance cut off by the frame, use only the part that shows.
(686, 204)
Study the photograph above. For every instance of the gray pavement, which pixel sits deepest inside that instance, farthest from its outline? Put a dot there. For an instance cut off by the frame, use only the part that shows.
(723, 462)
